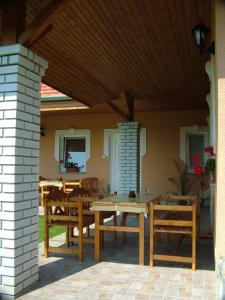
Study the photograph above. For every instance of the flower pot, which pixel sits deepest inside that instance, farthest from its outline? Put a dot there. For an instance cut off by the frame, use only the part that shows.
(74, 169)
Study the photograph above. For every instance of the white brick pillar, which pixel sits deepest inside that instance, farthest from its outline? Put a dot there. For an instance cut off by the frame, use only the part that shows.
(129, 157)
(20, 77)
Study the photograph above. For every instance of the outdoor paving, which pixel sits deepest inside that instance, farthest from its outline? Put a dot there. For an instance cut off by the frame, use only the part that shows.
(118, 275)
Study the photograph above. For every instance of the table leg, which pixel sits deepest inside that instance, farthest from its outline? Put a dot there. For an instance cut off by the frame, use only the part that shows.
(141, 239)
(123, 223)
(97, 236)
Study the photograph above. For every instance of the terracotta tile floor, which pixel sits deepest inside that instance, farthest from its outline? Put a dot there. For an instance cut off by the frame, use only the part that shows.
(119, 276)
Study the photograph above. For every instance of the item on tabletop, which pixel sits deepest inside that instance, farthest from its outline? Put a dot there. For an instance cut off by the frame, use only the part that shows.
(132, 194)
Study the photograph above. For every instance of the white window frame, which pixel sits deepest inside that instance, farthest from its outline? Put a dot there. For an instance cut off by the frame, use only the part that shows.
(198, 130)
(70, 133)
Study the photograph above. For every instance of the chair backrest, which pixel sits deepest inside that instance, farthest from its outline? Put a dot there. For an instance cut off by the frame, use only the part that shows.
(170, 217)
(64, 212)
(90, 184)
(184, 200)
(56, 196)
(68, 186)
(78, 192)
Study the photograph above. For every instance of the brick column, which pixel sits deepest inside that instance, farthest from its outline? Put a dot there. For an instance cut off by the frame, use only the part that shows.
(20, 77)
(129, 157)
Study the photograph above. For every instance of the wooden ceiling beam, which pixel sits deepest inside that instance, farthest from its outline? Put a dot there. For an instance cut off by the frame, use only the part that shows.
(13, 20)
(117, 110)
(130, 105)
(41, 22)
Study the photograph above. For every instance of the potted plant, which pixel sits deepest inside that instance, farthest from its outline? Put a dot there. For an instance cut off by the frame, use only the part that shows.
(69, 165)
(183, 182)
(210, 165)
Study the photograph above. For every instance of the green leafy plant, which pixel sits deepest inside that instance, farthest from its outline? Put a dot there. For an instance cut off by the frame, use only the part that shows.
(183, 182)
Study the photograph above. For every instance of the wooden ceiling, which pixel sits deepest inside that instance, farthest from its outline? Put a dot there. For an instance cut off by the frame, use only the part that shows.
(99, 49)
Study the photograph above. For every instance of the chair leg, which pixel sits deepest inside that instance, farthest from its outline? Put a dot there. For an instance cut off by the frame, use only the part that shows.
(46, 240)
(88, 231)
(123, 223)
(101, 232)
(67, 236)
(115, 224)
(151, 236)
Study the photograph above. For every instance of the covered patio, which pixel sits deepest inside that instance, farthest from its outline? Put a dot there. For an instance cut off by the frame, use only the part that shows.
(118, 275)
(139, 93)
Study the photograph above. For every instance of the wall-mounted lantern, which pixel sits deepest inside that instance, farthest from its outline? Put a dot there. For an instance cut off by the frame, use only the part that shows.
(200, 32)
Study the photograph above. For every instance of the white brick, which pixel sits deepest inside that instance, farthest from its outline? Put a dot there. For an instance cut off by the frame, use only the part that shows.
(30, 264)
(14, 188)
(7, 123)
(17, 224)
(11, 178)
(30, 280)
(32, 110)
(31, 161)
(10, 197)
(10, 96)
(30, 212)
(11, 244)
(30, 195)
(11, 252)
(9, 262)
(10, 160)
(32, 127)
(30, 229)
(14, 206)
(19, 151)
(11, 234)
(16, 169)
(8, 69)
(32, 144)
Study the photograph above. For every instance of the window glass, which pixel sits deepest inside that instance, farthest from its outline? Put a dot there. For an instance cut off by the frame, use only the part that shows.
(75, 154)
(195, 145)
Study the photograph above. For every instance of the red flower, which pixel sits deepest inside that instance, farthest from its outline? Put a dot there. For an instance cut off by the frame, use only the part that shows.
(209, 150)
(197, 159)
(198, 170)
(61, 161)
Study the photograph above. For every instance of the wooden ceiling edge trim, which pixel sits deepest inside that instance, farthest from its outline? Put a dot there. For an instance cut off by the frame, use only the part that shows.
(117, 110)
(41, 22)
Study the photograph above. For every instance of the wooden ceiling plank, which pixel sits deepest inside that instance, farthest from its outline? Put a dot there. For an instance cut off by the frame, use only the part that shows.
(112, 55)
(14, 13)
(130, 49)
(41, 22)
(165, 57)
(125, 50)
(78, 80)
(140, 46)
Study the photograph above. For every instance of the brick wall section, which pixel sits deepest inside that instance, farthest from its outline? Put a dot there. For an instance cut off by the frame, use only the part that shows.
(20, 77)
(129, 157)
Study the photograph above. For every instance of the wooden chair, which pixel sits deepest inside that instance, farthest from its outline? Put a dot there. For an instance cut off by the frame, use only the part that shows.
(175, 219)
(61, 212)
(68, 186)
(90, 184)
(83, 195)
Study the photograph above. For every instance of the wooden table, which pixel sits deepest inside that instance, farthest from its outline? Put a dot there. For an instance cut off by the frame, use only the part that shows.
(122, 203)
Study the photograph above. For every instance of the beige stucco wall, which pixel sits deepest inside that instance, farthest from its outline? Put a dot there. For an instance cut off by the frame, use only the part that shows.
(162, 144)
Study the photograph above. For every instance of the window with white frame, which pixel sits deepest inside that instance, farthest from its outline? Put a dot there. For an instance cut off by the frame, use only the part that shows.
(192, 141)
(72, 149)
